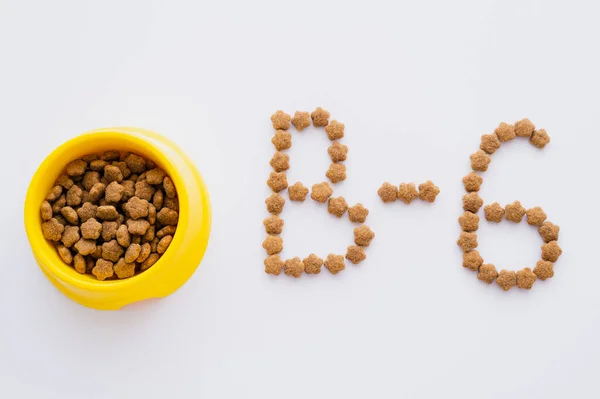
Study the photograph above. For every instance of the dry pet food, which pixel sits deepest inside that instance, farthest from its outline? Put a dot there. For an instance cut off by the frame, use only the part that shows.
(321, 192)
(489, 143)
(273, 265)
(515, 212)
(468, 221)
(355, 254)
(487, 273)
(539, 138)
(294, 267)
(281, 120)
(388, 192)
(336, 173)
(494, 213)
(544, 269)
(358, 213)
(297, 192)
(312, 264)
(338, 152)
(277, 181)
(472, 260)
(551, 251)
(480, 161)
(524, 128)
(335, 263)
(525, 278)
(301, 120)
(275, 204)
(98, 213)
(428, 191)
(282, 140)
(407, 192)
(506, 279)
(363, 236)
(472, 202)
(536, 216)
(273, 224)
(335, 130)
(320, 117)
(549, 231)
(472, 182)
(279, 162)
(505, 132)
(467, 241)
(273, 244)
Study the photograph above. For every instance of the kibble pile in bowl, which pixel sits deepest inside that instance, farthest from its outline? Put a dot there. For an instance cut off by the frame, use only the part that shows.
(111, 215)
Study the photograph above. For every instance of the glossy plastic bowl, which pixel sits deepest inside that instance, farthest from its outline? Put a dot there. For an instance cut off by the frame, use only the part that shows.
(174, 267)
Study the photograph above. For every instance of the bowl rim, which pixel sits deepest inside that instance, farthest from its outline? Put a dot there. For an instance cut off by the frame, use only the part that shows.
(56, 266)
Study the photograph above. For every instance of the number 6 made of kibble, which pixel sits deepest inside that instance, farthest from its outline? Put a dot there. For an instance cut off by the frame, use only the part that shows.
(406, 192)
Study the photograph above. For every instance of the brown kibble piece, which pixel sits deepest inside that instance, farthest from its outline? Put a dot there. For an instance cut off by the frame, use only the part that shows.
(158, 200)
(113, 173)
(76, 168)
(128, 190)
(54, 193)
(136, 239)
(505, 132)
(515, 212)
(167, 217)
(98, 165)
(407, 192)
(468, 221)
(163, 244)
(144, 252)
(64, 181)
(97, 254)
(150, 237)
(355, 254)
(525, 278)
(109, 230)
(506, 279)
(151, 214)
(135, 163)
(112, 251)
(544, 270)
(79, 263)
(336, 173)
(280, 162)
(539, 138)
(472, 260)
(536, 216)
(166, 231)
(111, 156)
(103, 269)
(169, 187)
(549, 231)
(301, 120)
(89, 158)
(277, 181)
(89, 264)
(338, 152)
(132, 253)
(294, 267)
(70, 236)
(155, 176)
(273, 244)
(85, 247)
(472, 202)
(65, 254)
(125, 171)
(97, 191)
(335, 130)
(123, 269)
(489, 143)
(74, 196)
(136, 208)
(274, 203)
(107, 212)
(551, 251)
(312, 264)
(281, 120)
(137, 227)
(337, 206)
(487, 273)
(87, 212)
(274, 265)
(61, 220)
(171, 203)
(321, 192)
(46, 211)
(467, 241)
(480, 161)
(89, 179)
(282, 140)
(358, 213)
(123, 236)
(145, 191)
(428, 191)
(320, 117)
(273, 224)
(59, 204)
(70, 215)
(335, 263)
(494, 212)
(388, 192)
(297, 192)
(524, 128)
(472, 182)
(363, 236)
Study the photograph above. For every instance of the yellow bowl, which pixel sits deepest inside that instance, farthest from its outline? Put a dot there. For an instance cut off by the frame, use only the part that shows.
(176, 265)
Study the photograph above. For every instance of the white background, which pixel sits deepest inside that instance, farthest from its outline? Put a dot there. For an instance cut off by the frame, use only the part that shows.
(416, 84)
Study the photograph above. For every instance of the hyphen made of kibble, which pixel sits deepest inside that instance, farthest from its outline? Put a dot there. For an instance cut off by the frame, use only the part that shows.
(111, 215)
(514, 212)
(321, 192)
